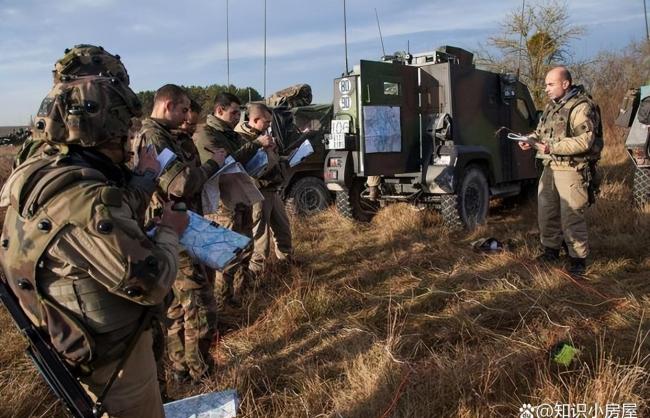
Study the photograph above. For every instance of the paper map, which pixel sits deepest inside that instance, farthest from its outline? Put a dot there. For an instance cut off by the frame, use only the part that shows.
(211, 244)
(382, 129)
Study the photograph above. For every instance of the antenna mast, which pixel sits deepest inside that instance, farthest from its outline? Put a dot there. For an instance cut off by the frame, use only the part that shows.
(381, 38)
(645, 14)
(265, 49)
(345, 38)
(521, 37)
(227, 46)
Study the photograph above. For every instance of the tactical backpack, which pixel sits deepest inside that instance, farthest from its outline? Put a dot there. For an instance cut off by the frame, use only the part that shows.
(89, 60)
(86, 110)
(298, 95)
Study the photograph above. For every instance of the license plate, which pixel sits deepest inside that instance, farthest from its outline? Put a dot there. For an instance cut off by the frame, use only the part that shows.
(337, 134)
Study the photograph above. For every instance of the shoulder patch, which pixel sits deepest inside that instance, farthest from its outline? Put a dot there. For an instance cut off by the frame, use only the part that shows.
(111, 196)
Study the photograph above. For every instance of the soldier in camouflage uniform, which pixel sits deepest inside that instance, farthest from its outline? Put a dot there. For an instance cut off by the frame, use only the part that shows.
(570, 141)
(192, 118)
(91, 275)
(192, 314)
(218, 132)
(269, 214)
(79, 60)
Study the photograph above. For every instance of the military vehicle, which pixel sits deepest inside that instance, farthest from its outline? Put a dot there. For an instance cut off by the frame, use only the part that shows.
(635, 114)
(303, 188)
(434, 128)
(296, 119)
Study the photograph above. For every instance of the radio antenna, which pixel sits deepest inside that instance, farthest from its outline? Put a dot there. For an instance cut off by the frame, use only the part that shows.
(521, 37)
(381, 38)
(265, 49)
(345, 37)
(227, 47)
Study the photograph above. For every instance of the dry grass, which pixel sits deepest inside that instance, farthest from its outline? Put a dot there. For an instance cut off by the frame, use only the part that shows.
(401, 318)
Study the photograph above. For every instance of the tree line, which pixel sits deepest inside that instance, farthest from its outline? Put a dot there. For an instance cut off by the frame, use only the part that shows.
(204, 96)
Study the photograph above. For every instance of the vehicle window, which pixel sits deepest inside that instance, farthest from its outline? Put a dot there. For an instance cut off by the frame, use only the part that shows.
(391, 89)
(522, 108)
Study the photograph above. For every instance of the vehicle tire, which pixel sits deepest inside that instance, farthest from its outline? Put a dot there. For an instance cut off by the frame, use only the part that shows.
(469, 206)
(351, 205)
(641, 186)
(307, 196)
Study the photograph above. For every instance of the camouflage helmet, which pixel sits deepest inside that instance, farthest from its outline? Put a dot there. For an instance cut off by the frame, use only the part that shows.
(86, 59)
(86, 110)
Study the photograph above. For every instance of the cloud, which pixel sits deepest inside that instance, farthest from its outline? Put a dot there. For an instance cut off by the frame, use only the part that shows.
(426, 18)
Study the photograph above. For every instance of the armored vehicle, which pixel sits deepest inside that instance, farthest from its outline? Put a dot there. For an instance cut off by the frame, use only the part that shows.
(303, 188)
(434, 128)
(635, 114)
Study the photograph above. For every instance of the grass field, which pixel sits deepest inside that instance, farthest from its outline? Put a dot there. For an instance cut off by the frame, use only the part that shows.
(401, 318)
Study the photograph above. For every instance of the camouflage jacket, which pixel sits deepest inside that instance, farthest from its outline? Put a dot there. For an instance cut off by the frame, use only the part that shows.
(138, 189)
(573, 130)
(216, 133)
(183, 178)
(89, 269)
(273, 178)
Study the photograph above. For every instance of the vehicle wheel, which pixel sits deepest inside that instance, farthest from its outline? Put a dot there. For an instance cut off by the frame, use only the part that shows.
(307, 196)
(469, 206)
(641, 186)
(351, 205)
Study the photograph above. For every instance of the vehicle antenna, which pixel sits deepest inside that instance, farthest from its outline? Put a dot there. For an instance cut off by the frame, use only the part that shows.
(645, 14)
(265, 49)
(345, 38)
(227, 47)
(521, 37)
(381, 38)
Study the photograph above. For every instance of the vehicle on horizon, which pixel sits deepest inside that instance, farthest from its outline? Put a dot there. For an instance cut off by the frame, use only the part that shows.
(635, 114)
(434, 128)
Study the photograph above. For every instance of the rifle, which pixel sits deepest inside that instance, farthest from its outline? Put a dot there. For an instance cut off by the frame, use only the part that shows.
(53, 369)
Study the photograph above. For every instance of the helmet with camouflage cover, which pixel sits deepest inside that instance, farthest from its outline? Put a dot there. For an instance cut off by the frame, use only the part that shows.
(87, 59)
(87, 111)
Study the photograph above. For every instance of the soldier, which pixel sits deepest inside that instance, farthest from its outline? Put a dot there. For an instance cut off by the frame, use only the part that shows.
(79, 60)
(192, 314)
(218, 132)
(269, 214)
(373, 187)
(570, 141)
(91, 275)
(192, 118)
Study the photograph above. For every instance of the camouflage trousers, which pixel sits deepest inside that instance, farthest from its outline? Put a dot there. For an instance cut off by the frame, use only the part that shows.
(191, 320)
(232, 282)
(135, 392)
(271, 227)
(561, 203)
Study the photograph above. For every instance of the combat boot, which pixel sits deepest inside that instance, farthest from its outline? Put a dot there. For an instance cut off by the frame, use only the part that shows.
(373, 192)
(550, 255)
(577, 266)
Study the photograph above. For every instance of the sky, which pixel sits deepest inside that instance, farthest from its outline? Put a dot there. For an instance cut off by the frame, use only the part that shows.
(185, 42)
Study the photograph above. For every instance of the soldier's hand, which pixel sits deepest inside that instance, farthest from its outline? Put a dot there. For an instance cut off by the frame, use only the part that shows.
(175, 219)
(266, 141)
(524, 145)
(219, 155)
(542, 148)
(148, 160)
